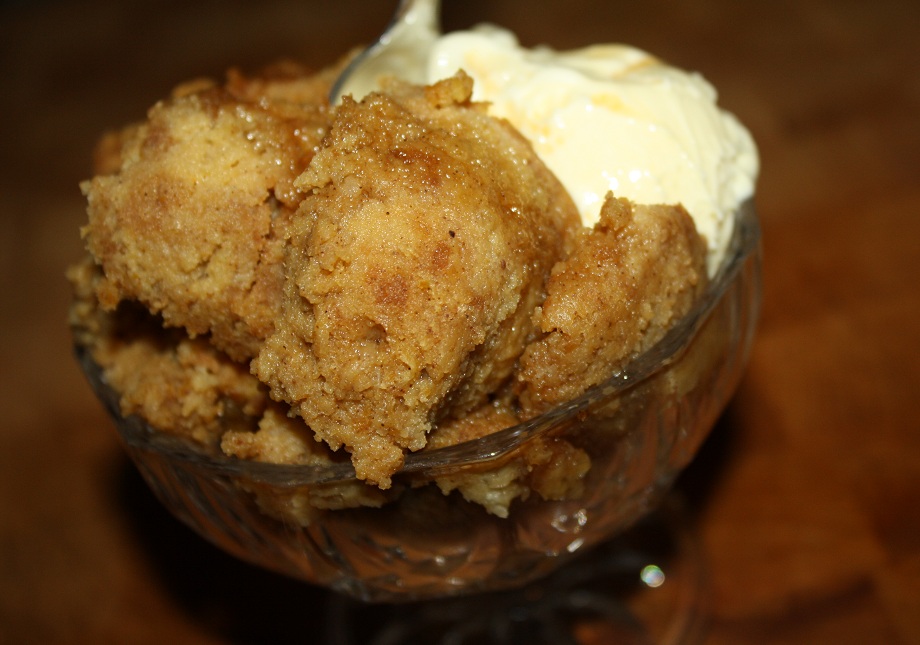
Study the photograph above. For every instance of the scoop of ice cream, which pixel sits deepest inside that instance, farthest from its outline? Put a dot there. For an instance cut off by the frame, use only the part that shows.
(614, 118)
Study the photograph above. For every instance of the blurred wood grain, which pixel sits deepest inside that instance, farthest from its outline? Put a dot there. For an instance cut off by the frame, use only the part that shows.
(807, 495)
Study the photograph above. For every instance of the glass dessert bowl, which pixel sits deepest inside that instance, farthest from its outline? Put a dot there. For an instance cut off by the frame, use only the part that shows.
(640, 428)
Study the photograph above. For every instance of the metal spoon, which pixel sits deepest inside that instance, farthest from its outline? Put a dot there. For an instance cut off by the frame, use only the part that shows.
(402, 49)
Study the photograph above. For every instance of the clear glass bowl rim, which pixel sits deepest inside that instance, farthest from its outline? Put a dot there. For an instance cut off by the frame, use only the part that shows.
(137, 433)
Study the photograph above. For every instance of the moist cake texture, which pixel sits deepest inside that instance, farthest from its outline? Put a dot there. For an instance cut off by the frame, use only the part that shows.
(279, 280)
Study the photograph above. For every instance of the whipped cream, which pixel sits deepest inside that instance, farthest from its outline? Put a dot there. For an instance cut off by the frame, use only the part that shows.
(613, 118)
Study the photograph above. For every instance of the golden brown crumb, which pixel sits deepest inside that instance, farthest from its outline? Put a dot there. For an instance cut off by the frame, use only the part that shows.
(188, 223)
(406, 273)
(177, 384)
(628, 280)
(416, 259)
(550, 466)
(281, 439)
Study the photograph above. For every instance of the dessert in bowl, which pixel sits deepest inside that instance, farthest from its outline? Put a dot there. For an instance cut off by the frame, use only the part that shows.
(380, 347)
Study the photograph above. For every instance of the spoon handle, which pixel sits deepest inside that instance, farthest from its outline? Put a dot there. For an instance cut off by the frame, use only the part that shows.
(401, 50)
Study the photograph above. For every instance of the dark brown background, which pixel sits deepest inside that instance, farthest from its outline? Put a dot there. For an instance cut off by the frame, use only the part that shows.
(808, 492)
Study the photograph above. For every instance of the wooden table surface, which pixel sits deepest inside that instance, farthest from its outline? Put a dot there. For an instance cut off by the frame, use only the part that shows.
(807, 494)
